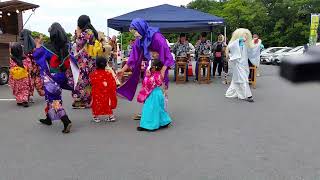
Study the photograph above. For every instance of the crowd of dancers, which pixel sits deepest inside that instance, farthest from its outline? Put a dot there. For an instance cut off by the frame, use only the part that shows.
(83, 68)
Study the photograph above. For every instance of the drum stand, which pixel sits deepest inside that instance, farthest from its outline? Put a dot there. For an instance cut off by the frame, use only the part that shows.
(206, 78)
(180, 79)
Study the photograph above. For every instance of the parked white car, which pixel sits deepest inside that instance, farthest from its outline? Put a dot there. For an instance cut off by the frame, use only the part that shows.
(277, 58)
(266, 55)
(296, 51)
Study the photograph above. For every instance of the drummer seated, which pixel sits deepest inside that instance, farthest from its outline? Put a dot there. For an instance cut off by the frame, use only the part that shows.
(203, 48)
(181, 49)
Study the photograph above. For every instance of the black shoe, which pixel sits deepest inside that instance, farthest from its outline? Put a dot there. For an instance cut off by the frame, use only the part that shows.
(25, 104)
(66, 124)
(250, 99)
(66, 130)
(46, 121)
(165, 126)
(143, 129)
(19, 104)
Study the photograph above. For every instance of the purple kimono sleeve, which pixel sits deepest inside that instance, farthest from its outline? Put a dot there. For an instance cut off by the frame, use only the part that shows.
(128, 89)
(41, 55)
(163, 49)
(38, 53)
(159, 44)
(134, 55)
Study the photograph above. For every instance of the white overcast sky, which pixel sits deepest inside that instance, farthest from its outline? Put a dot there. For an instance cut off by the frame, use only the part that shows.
(66, 12)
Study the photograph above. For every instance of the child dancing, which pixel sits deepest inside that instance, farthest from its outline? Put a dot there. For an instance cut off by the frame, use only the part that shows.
(104, 98)
(154, 115)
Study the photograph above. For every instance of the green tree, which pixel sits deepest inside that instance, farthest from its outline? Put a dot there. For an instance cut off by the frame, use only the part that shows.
(70, 36)
(45, 38)
(278, 22)
(202, 5)
(126, 37)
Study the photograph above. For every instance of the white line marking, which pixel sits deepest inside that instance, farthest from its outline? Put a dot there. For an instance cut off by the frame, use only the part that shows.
(7, 99)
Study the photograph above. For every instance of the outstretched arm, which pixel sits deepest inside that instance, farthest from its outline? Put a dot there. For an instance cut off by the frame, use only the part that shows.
(133, 59)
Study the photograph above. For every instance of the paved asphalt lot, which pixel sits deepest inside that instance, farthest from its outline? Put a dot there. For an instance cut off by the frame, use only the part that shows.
(212, 138)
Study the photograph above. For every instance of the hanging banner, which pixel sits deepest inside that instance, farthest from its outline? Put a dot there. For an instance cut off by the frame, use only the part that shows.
(314, 29)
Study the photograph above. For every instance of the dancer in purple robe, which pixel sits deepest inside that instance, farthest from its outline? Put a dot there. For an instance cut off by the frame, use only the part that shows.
(54, 62)
(148, 41)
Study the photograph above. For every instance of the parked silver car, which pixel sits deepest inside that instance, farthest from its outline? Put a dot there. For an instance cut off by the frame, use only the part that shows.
(266, 55)
(296, 51)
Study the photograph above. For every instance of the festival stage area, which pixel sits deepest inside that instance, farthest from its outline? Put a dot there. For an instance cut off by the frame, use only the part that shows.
(211, 138)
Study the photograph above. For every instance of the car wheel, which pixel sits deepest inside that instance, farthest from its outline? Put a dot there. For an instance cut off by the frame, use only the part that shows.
(274, 62)
(4, 76)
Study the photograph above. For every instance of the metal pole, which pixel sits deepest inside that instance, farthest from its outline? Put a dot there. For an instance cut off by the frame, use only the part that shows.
(121, 47)
(108, 32)
(225, 33)
(28, 19)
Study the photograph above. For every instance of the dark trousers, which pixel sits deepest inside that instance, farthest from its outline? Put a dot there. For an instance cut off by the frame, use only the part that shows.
(217, 63)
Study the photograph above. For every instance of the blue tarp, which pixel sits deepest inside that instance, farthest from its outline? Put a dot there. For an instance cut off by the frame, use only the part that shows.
(169, 19)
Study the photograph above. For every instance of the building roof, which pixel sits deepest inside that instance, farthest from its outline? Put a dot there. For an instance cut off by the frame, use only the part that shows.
(13, 5)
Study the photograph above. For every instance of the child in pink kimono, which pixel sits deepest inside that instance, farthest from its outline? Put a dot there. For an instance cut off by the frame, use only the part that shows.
(154, 115)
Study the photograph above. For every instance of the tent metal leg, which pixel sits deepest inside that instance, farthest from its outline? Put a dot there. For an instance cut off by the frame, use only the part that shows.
(225, 34)
(121, 48)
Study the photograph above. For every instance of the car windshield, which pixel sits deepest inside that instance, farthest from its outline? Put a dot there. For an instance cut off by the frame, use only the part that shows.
(275, 50)
(296, 49)
(287, 50)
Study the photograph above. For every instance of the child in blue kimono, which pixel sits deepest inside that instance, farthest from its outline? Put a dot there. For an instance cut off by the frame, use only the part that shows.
(154, 115)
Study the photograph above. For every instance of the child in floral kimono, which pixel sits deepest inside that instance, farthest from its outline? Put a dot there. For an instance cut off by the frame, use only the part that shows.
(104, 98)
(154, 115)
(20, 82)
